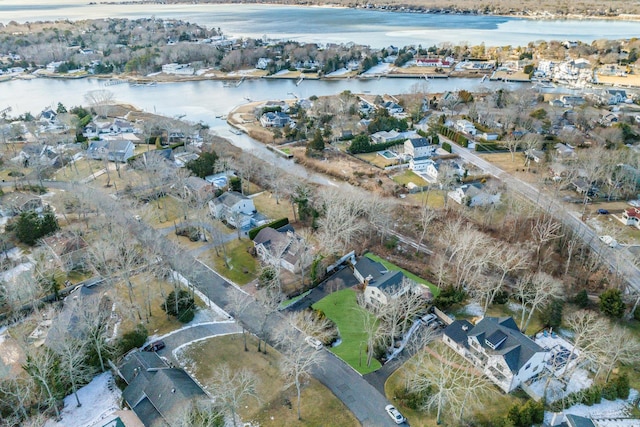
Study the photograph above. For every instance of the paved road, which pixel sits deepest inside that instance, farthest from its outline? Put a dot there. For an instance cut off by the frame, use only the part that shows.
(364, 401)
(619, 260)
(184, 336)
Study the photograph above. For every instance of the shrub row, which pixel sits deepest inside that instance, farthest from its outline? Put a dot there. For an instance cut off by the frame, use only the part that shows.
(617, 388)
(274, 224)
(456, 137)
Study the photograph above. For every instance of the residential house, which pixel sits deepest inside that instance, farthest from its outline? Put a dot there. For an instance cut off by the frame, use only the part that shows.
(184, 157)
(498, 348)
(474, 194)
(115, 151)
(157, 393)
(536, 155)
(380, 283)
(275, 119)
(199, 189)
(420, 164)
(263, 63)
(392, 107)
(274, 105)
(283, 244)
(465, 126)
(488, 136)
(573, 100)
(564, 150)
(366, 108)
(609, 119)
(434, 62)
(384, 136)
(435, 169)
(52, 67)
(418, 147)
(582, 186)
(49, 116)
(614, 96)
(556, 103)
(121, 126)
(233, 207)
(631, 216)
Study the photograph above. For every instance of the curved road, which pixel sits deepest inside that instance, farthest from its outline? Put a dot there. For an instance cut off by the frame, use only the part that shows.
(363, 399)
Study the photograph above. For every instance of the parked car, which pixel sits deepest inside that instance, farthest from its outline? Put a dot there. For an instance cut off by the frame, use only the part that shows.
(603, 212)
(428, 318)
(313, 342)
(154, 346)
(608, 240)
(395, 414)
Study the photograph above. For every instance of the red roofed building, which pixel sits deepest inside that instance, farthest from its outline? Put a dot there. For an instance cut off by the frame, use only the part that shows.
(632, 216)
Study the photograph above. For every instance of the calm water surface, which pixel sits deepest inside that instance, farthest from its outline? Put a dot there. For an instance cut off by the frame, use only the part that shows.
(337, 25)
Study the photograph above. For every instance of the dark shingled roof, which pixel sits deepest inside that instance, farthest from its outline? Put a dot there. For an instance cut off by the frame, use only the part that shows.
(517, 349)
(419, 142)
(368, 267)
(576, 421)
(169, 390)
(140, 361)
(457, 333)
(388, 281)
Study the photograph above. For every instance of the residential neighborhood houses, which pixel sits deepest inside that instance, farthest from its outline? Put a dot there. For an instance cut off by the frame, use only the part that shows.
(204, 279)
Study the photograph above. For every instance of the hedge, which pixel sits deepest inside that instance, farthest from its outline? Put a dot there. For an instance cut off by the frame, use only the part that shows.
(274, 224)
(490, 147)
(456, 137)
(446, 147)
(371, 148)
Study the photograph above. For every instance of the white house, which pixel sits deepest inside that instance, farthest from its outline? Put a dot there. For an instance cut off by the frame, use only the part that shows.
(632, 216)
(473, 195)
(614, 96)
(418, 147)
(386, 136)
(52, 67)
(121, 126)
(497, 348)
(465, 126)
(263, 63)
(233, 207)
(116, 151)
(275, 119)
(434, 169)
(283, 244)
(393, 107)
(380, 283)
(420, 164)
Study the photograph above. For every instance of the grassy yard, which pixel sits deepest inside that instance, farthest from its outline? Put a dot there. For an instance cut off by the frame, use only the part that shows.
(143, 286)
(266, 204)
(408, 176)
(277, 407)
(492, 406)
(392, 267)
(377, 160)
(243, 267)
(162, 212)
(434, 199)
(342, 308)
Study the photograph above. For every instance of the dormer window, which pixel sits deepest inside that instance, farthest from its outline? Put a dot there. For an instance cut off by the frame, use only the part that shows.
(496, 339)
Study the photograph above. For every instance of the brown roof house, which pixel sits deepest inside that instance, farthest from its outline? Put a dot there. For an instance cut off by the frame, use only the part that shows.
(283, 244)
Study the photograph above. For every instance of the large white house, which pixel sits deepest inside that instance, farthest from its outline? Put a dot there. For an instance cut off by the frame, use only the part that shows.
(418, 147)
(380, 283)
(473, 195)
(465, 126)
(119, 150)
(233, 207)
(285, 245)
(496, 347)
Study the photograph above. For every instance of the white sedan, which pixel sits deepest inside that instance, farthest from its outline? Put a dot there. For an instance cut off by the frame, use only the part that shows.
(395, 414)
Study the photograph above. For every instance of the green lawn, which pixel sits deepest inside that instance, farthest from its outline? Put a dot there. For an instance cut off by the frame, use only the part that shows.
(243, 267)
(409, 176)
(434, 289)
(342, 308)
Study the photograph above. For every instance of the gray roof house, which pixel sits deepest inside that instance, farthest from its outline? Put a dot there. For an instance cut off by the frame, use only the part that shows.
(276, 119)
(233, 207)
(496, 347)
(115, 151)
(380, 283)
(157, 393)
(418, 147)
(284, 244)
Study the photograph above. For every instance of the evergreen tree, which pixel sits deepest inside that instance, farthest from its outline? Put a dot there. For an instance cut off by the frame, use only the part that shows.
(317, 143)
(611, 303)
(204, 165)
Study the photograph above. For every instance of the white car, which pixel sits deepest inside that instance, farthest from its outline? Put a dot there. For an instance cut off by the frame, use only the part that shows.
(315, 343)
(608, 240)
(395, 414)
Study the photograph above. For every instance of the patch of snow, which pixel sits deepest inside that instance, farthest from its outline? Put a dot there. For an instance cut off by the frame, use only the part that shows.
(282, 72)
(100, 398)
(593, 222)
(474, 309)
(605, 413)
(340, 72)
(154, 74)
(514, 306)
(11, 274)
(383, 68)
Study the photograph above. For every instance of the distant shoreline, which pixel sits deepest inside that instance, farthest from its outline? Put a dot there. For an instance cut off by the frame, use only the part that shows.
(541, 15)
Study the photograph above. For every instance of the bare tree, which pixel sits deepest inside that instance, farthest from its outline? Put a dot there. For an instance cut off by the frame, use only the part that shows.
(512, 145)
(238, 302)
(42, 365)
(534, 292)
(298, 359)
(232, 389)
(545, 230)
(341, 220)
(100, 101)
(17, 393)
(506, 259)
(452, 387)
(620, 346)
(313, 325)
(427, 215)
(588, 335)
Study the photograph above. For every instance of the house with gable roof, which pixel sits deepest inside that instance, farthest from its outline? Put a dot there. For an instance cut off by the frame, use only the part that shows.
(119, 150)
(284, 244)
(496, 347)
(631, 216)
(473, 194)
(233, 207)
(156, 392)
(418, 147)
(381, 285)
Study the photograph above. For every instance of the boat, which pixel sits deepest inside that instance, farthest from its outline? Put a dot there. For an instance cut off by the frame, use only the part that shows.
(235, 131)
